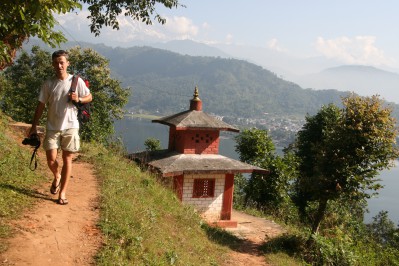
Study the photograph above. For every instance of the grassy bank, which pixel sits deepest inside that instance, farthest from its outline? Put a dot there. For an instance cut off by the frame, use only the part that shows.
(145, 223)
(142, 222)
(17, 181)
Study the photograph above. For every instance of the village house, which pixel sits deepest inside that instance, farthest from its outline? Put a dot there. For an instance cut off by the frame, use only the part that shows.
(192, 165)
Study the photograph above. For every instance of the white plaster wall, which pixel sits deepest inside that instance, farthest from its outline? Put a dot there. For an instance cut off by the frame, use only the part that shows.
(209, 208)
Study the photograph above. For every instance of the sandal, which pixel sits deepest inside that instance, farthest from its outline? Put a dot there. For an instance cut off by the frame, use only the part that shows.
(62, 201)
(54, 189)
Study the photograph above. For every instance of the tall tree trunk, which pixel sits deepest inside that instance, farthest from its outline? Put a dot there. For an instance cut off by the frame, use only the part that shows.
(319, 215)
(321, 210)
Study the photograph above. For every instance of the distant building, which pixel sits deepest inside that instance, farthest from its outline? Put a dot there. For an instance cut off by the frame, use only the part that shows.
(192, 166)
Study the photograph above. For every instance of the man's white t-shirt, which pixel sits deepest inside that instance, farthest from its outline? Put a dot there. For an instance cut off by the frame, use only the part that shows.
(61, 113)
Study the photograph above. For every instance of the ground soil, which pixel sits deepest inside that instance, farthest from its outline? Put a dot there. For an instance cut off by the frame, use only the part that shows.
(254, 232)
(52, 234)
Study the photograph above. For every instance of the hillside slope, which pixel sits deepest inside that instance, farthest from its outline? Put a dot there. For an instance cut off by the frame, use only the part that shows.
(117, 215)
(163, 81)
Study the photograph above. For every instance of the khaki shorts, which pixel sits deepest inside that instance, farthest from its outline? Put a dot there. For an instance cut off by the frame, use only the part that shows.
(67, 139)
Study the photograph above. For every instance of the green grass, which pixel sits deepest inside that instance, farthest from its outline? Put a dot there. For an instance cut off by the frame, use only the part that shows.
(17, 181)
(144, 223)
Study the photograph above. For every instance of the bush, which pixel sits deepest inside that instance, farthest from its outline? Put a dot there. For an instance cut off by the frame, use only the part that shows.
(335, 250)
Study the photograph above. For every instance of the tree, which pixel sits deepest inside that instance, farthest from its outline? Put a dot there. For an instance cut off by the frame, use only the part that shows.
(24, 80)
(106, 12)
(20, 20)
(341, 152)
(267, 192)
(383, 230)
(254, 146)
(152, 144)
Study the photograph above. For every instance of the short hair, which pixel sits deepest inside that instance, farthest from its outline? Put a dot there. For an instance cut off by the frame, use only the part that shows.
(59, 53)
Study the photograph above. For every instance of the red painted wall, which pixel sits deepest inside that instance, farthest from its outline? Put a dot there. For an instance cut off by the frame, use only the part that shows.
(194, 141)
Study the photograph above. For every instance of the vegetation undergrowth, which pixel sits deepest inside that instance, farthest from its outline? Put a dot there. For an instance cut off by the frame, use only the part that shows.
(17, 181)
(351, 244)
(144, 223)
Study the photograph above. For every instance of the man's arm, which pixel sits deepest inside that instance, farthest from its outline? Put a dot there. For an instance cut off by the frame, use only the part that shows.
(86, 99)
(38, 113)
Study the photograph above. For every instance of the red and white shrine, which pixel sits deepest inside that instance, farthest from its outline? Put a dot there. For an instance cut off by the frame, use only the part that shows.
(192, 165)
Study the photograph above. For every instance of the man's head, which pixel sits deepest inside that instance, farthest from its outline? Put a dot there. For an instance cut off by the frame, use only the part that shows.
(59, 53)
(60, 63)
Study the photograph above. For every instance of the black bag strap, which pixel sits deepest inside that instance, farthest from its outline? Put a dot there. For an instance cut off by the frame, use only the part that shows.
(34, 156)
(74, 84)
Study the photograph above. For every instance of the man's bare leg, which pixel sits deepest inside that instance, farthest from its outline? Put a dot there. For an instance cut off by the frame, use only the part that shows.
(65, 173)
(53, 166)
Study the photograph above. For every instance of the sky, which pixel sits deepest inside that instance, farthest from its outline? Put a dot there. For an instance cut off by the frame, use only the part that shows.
(348, 31)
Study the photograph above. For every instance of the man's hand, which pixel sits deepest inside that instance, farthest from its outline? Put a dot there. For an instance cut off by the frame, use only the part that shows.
(33, 130)
(74, 97)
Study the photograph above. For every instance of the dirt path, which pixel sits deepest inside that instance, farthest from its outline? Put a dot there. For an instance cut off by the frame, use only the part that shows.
(51, 234)
(254, 231)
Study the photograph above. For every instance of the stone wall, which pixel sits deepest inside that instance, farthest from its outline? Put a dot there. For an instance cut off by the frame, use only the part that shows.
(209, 207)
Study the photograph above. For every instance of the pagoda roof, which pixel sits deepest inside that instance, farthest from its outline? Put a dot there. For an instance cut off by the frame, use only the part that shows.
(192, 119)
(171, 163)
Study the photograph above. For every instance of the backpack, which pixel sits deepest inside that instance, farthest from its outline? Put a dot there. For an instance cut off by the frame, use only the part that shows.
(84, 109)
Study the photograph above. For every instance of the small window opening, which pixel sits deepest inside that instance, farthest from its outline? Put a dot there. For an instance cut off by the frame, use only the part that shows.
(204, 188)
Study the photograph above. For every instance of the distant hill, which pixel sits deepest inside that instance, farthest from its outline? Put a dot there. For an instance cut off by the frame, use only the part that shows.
(308, 72)
(164, 81)
(187, 47)
(363, 80)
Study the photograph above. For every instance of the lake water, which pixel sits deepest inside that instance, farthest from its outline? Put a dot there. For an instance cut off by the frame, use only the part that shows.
(135, 131)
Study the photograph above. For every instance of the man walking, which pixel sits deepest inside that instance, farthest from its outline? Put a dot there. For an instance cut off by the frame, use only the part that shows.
(62, 129)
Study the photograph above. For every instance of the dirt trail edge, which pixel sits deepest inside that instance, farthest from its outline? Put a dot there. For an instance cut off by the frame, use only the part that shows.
(52, 234)
(254, 231)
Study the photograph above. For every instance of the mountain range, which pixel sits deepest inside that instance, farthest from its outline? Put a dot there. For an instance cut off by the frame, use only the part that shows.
(315, 72)
(162, 79)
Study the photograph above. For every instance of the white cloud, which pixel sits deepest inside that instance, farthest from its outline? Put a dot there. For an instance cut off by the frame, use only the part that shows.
(273, 45)
(74, 21)
(205, 26)
(129, 30)
(229, 38)
(357, 50)
(180, 27)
